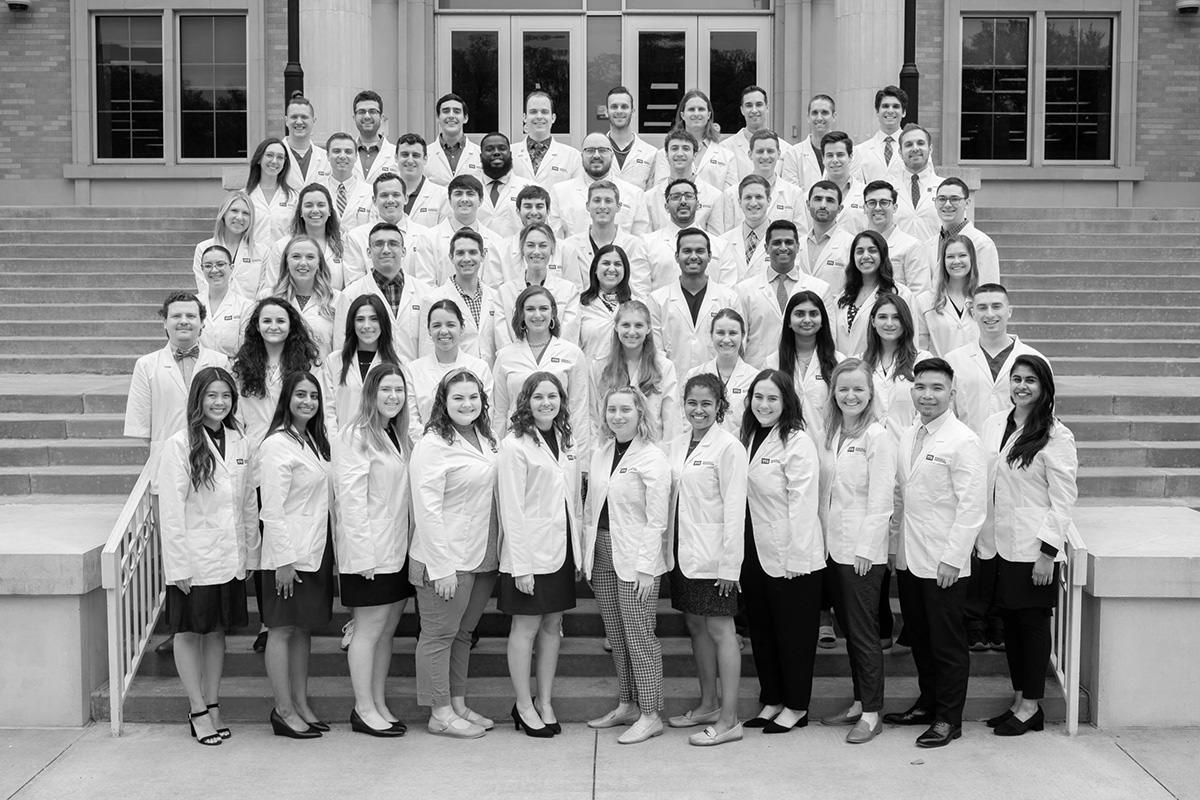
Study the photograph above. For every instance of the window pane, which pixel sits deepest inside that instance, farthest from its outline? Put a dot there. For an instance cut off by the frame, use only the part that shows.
(661, 72)
(995, 89)
(603, 65)
(1079, 80)
(733, 65)
(129, 89)
(475, 76)
(547, 68)
(208, 82)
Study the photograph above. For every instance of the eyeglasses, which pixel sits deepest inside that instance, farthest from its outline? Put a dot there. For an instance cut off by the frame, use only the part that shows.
(879, 204)
(591, 151)
(943, 200)
(368, 112)
(675, 197)
(215, 264)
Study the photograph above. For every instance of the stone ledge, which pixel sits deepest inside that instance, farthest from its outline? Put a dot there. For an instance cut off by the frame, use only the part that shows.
(1141, 551)
(53, 550)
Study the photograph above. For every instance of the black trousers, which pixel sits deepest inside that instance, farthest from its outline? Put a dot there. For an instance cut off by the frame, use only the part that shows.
(1027, 647)
(885, 622)
(938, 637)
(856, 601)
(784, 616)
(984, 620)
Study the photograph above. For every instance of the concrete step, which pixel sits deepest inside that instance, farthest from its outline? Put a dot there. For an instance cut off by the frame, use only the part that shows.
(1082, 266)
(62, 394)
(72, 452)
(108, 266)
(1117, 348)
(106, 212)
(27, 425)
(1103, 328)
(119, 328)
(1102, 501)
(1182, 455)
(113, 310)
(1122, 481)
(82, 345)
(164, 280)
(1149, 366)
(1022, 214)
(1154, 428)
(576, 699)
(134, 234)
(999, 227)
(109, 479)
(1125, 405)
(1154, 297)
(1064, 281)
(1091, 313)
(1099, 236)
(181, 224)
(167, 249)
(57, 364)
(1051, 252)
(64, 297)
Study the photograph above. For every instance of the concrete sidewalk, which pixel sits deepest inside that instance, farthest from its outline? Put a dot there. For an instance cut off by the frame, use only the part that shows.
(152, 761)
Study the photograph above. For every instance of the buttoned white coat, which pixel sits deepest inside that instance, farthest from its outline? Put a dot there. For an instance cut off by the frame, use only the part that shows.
(977, 394)
(710, 501)
(246, 265)
(783, 493)
(539, 502)
(297, 490)
(406, 323)
(564, 360)
(437, 165)
(857, 488)
(684, 342)
(373, 504)
(560, 163)
(638, 494)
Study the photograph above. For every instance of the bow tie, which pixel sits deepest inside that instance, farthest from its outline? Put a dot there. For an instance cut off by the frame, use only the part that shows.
(180, 355)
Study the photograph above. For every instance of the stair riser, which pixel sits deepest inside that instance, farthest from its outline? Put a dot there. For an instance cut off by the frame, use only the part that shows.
(134, 234)
(62, 404)
(1104, 330)
(1085, 252)
(166, 281)
(84, 346)
(125, 329)
(1139, 486)
(1083, 267)
(1114, 349)
(1036, 314)
(131, 212)
(66, 298)
(1116, 367)
(1132, 406)
(82, 428)
(997, 228)
(1049, 297)
(100, 312)
(109, 266)
(84, 365)
(65, 455)
(166, 250)
(1139, 456)
(1100, 237)
(1109, 283)
(69, 484)
(181, 225)
(992, 213)
(1133, 430)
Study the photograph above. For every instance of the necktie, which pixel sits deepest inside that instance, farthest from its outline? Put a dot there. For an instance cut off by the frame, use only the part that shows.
(341, 199)
(495, 192)
(916, 190)
(751, 244)
(918, 443)
(781, 292)
(194, 352)
(887, 150)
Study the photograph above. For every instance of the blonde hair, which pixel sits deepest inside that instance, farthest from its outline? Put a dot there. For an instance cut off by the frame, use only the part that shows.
(322, 283)
(643, 427)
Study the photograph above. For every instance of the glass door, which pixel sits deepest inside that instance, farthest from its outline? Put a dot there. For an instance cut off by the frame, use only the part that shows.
(664, 56)
(493, 61)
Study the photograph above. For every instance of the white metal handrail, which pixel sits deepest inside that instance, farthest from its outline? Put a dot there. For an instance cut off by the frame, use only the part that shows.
(1068, 624)
(132, 574)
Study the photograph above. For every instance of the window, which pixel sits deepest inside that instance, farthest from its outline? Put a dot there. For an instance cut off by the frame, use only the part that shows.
(1017, 106)
(200, 113)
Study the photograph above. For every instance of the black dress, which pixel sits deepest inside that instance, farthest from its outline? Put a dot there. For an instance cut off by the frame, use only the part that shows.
(553, 592)
(701, 597)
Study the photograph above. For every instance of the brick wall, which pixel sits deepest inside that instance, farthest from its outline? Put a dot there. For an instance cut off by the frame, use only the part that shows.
(35, 97)
(1168, 76)
(275, 50)
(931, 16)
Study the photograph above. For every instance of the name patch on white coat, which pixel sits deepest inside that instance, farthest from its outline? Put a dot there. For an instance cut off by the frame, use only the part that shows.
(241, 462)
(937, 459)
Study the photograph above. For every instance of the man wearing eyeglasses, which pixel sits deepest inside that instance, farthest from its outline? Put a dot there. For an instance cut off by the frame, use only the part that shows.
(680, 148)
(910, 262)
(568, 206)
(952, 200)
(375, 154)
(916, 213)
(682, 202)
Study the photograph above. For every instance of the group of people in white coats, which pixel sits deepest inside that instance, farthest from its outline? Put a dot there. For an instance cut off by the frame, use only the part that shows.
(770, 417)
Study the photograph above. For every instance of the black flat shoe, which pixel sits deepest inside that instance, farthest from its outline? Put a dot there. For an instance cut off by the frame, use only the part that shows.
(939, 734)
(166, 647)
(358, 725)
(399, 725)
(1015, 727)
(999, 718)
(775, 727)
(759, 722)
(212, 739)
(224, 733)
(260, 642)
(281, 728)
(543, 732)
(913, 716)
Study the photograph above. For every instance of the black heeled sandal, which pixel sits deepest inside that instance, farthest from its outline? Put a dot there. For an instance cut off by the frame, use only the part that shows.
(224, 733)
(212, 739)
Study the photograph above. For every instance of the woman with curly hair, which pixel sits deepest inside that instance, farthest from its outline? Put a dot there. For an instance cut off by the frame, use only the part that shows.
(868, 275)
(453, 559)
(208, 524)
(266, 185)
(540, 509)
(316, 218)
(303, 281)
(234, 231)
(634, 360)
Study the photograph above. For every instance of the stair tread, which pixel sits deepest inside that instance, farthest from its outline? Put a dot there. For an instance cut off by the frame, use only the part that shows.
(84, 469)
(1185, 444)
(1139, 471)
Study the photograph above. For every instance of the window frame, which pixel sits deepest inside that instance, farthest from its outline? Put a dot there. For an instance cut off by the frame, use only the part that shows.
(86, 163)
(176, 23)
(1120, 166)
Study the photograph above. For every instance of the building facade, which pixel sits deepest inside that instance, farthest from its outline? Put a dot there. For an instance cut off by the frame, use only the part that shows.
(1055, 102)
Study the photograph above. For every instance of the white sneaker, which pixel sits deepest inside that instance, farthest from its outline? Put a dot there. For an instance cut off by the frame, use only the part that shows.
(347, 634)
(645, 728)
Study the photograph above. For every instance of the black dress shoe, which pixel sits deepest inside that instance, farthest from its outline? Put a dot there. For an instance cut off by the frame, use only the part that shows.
(913, 716)
(359, 725)
(1015, 727)
(318, 726)
(939, 734)
(399, 725)
(775, 727)
(260, 642)
(280, 727)
(999, 718)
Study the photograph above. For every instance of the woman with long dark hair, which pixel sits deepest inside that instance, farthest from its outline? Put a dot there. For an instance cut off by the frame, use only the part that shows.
(445, 323)
(453, 559)
(370, 464)
(1031, 495)
(208, 528)
(891, 355)
(807, 355)
(608, 288)
(297, 549)
(266, 184)
(540, 511)
(868, 275)
(634, 360)
(368, 343)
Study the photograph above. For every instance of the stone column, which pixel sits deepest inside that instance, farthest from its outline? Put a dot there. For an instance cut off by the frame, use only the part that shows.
(335, 50)
(417, 73)
(870, 46)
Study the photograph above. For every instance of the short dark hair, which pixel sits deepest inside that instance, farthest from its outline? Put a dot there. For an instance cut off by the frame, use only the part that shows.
(537, 93)
(826, 98)
(671, 184)
(338, 135)
(691, 232)
(784, 225)
(384, 178)
(875, 186)
(465, 182)
(990, 287)
(891, 91)
(367, 95)
(910, 127)
(752, 89)
(487, 136)
(683, 136)
(413, 138)
(933, 365)
(533, 191)
(437, 106)
(182, 297)
(765, 133)
(751, 180)
(824, 184)
(384, 226)
(833, 137)
(617, 90)
(959, 182)
(466, 233)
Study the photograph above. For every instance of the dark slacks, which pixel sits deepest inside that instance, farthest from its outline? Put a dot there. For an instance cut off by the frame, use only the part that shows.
(983, 619)
(1027, 647)
(938, 637)
(784, 615)
(856, 601)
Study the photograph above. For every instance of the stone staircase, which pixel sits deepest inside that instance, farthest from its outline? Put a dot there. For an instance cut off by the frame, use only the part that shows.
(79, 289)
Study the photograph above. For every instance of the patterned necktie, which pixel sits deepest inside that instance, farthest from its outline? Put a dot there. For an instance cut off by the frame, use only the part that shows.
(916, 190)
(781, 292)
(751, 244)
(495, 192)
(918, 443)
(194, 352)
(341, 200)
(887, 150)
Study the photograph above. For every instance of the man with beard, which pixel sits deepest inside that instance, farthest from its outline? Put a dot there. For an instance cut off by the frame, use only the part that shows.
(452, 153)
(681, 203)
(374, 152)
(826, 250)
(540, 158)
(498, 210)
(569, 213)
(634, 156)
(401, 293)
(910, 261)
(916, 213)
(681, 312)
(431, 262)
(785, 200)
(804, 164)
(680, 148)
(388, 201)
